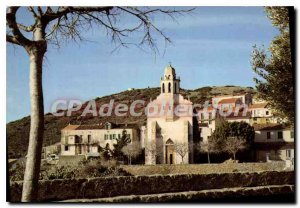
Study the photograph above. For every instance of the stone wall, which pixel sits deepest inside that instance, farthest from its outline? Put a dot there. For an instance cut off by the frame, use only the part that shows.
(56, 190)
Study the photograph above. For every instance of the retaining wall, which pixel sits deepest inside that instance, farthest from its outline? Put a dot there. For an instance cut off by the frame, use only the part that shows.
(56, 190)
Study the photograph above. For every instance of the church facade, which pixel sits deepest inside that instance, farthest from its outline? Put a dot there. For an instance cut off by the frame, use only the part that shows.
(169, 137)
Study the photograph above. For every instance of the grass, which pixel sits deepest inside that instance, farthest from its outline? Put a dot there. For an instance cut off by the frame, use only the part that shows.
(202, 168)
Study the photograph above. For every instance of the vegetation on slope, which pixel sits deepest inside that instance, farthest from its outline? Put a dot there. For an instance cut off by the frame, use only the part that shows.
(18, 131)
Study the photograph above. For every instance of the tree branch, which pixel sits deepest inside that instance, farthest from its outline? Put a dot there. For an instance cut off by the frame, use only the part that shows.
(13, 26)
(26, 28)
(50, 15)
(12, 39)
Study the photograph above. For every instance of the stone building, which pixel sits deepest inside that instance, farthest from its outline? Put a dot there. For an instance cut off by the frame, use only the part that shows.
(89, 139)
(273, 142)
(169, 124)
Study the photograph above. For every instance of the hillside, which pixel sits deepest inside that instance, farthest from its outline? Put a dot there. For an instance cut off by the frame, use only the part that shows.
(18, 131)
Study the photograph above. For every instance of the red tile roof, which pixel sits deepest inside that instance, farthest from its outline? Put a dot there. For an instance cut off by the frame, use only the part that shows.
(71, 127)
(99, 126)
(229, 100)
(270, 126)
(259, 105)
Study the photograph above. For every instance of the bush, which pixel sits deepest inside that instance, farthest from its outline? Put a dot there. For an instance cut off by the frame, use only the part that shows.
(83, 169)
(59, 172)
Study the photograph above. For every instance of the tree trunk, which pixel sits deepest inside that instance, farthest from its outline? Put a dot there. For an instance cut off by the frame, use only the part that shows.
(208, 158)
(33, 162)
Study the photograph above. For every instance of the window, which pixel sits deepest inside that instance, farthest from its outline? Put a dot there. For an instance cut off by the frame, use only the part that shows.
(66, 140)
(163, 88)
(119, 136)
(209, 117)
(279, 135)
(107, 126)
(268, 135)
(66, 148)
(169, 87)
(77, 139)
(267, 113)
(110, 136)
(288, 153)
(114, 136)
(292, 135)
(89, 138)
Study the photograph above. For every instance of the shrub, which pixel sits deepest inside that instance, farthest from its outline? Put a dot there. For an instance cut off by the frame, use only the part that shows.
(59, 172)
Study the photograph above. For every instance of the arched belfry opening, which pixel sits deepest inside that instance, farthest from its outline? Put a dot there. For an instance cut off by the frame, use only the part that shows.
(163, 88)
(169, 87)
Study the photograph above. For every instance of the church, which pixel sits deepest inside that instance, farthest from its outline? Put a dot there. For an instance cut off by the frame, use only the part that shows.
(169, 137)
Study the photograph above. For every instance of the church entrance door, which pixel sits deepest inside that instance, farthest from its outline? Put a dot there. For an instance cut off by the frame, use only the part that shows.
(170, 150)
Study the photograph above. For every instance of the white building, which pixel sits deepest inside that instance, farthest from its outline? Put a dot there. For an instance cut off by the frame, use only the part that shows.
(273, 142)
(169, 124)
(89, 139)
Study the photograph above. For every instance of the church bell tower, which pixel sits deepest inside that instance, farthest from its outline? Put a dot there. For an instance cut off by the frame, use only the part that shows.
(170, 84)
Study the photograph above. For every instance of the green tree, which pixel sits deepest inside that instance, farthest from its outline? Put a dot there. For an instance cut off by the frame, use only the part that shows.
(54, 25)
(274, 69)
(239, 130)
(121, 142)
(220, 134)
(107, 152)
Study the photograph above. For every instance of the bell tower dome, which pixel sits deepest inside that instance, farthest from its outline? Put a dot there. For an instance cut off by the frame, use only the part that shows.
(170, 84)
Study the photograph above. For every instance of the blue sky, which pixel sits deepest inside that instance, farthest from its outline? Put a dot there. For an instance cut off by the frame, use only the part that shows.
(211, 47)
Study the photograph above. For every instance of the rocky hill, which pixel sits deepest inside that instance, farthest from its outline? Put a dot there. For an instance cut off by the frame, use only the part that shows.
(18, 131)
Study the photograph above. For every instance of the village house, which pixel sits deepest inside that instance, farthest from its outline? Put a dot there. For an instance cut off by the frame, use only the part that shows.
(273, 142)
(51, 149)
(89, 139)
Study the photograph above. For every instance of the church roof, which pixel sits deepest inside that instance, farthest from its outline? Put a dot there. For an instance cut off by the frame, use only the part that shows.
(170, 70)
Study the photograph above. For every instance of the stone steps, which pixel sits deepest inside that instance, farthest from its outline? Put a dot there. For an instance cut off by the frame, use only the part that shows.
(282, 193)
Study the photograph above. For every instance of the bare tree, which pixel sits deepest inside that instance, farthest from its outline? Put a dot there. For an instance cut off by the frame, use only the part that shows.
(52, 25)
(132, 150)
(208, 146)
(233, 145)
(155, 149)
(182, 149)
